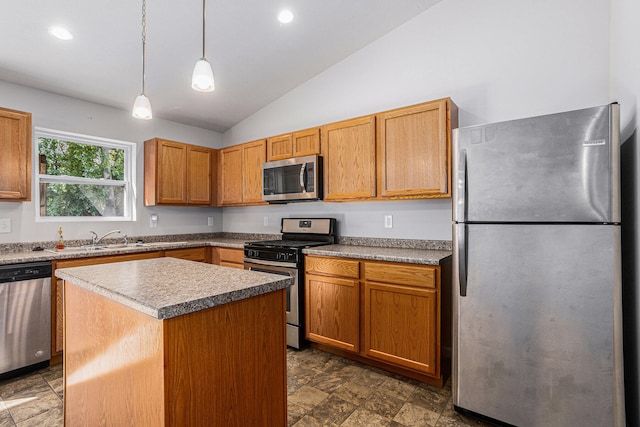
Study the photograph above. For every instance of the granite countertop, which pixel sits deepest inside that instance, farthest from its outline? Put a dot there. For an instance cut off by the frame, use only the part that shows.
(77, 252)
(408, 255)
(168, 287)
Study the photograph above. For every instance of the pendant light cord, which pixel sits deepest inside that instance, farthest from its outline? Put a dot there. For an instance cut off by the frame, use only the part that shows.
(204, 11)
(144, 40)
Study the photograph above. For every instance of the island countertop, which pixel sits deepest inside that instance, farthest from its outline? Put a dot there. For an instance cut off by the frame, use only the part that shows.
(168, 287)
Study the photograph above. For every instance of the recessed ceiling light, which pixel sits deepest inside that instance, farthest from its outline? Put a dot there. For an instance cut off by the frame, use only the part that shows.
(285, 16)
(60, 33)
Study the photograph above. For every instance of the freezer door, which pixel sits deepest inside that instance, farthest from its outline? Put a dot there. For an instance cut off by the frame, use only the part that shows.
(556, 168)
(537, 338)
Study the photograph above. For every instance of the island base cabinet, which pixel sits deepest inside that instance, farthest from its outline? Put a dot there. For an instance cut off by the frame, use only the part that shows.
(222, 366)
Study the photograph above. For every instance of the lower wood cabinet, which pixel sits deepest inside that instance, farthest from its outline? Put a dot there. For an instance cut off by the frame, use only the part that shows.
(228, 257)
(386, 314)
(331, 312)
(200, 254)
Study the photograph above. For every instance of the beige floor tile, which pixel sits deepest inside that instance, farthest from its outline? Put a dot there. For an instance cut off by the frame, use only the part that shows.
(365, 418)
(333, 410)
(411, 415)
(307, 397)
(353, 392)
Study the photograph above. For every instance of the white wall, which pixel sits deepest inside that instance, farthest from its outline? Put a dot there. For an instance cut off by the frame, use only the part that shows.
(625, 87)
(72, 115)
(497, 59)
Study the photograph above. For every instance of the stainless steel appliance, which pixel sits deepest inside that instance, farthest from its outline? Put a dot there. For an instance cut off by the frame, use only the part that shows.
(289, 180)
(537, 304)
(25, 317)
(285, 257)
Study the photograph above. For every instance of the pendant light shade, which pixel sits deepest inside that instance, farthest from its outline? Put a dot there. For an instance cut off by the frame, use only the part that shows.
(142, 105)
(202, 78)
(142, 108)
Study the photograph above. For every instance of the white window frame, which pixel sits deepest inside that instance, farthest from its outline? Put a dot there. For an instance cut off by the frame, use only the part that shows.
(129, 182)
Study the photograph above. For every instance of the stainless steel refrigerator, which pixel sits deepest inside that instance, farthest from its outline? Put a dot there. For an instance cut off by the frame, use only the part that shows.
(537, 281)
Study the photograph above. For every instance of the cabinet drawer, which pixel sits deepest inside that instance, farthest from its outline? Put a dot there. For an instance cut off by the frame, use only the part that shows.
(403, 274)
(192, 254)
(234, 256)
(333, 266)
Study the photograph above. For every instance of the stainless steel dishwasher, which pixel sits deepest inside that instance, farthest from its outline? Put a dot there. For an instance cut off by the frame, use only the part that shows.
(25, 317)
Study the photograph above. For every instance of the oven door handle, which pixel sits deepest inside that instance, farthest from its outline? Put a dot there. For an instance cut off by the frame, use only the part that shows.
(269, 263)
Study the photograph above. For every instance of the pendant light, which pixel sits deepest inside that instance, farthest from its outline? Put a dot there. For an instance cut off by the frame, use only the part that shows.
(202, 78)
(142, 105)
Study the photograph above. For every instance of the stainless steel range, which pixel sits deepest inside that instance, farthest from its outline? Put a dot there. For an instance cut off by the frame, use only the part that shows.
(285, 257)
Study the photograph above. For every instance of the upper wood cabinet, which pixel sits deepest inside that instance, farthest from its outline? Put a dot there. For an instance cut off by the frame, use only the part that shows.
(413, 150)
(297, 144)
(177, 174)
(15, 162)
(241, 173)
(349, 151)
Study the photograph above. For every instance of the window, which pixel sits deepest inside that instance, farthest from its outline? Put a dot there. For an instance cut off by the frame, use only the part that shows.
(83, 178)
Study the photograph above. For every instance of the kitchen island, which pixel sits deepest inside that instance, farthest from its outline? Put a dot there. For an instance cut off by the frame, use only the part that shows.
(169, 342)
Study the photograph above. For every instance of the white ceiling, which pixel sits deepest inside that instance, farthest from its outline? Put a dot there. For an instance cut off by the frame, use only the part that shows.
(255, 58)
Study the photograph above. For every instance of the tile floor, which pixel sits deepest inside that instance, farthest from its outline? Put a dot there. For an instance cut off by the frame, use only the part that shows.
(324, 390)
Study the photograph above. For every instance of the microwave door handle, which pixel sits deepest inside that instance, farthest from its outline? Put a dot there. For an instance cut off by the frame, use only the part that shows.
(302, 176)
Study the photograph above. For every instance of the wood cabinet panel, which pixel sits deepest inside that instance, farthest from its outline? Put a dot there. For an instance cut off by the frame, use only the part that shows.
(199, 165)
(332, 311)
(413, 150)
(15, 161)
(57, 313)
(228, 257)
(297, 144)
(241, 173)
(231, 170)
(403, 274)
(400, 325)
(193, 254)
(254, 155)
(279, 147)
(333, 266)
(222, 366)
(172, 173)
(306, 142)
(349, 151)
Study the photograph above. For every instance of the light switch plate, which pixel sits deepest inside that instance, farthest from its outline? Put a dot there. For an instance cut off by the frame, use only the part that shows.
(210, 221)
(5, 225)
(388, 221)
(265, 221)
(153, 221)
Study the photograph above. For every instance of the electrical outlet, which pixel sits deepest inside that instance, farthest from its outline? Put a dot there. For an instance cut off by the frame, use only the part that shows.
(153, 221)
(210, 221)
(388, 221)
(265, 221)
(5, 225)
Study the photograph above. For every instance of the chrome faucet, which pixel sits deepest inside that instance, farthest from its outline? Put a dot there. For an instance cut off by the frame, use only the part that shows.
(95, 239)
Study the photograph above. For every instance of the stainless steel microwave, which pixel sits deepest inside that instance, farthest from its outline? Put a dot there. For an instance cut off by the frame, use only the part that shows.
(291, 180)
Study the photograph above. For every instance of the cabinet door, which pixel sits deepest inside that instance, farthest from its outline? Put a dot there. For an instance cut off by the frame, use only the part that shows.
(231, 176)
(400, 325)
(172, 173)
(198, 175)
(15, 161)
(348, 148)
(413, 151)
(306, 142)
(332, 311)
(228, 257)
(254, 155)
(279, 147)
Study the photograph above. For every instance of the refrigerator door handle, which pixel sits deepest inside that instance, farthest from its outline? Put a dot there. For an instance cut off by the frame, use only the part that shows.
(461, 237)
(461, 184)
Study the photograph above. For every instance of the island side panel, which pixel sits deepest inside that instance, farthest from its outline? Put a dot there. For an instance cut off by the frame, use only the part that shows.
(113, 363)
(226, 366)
